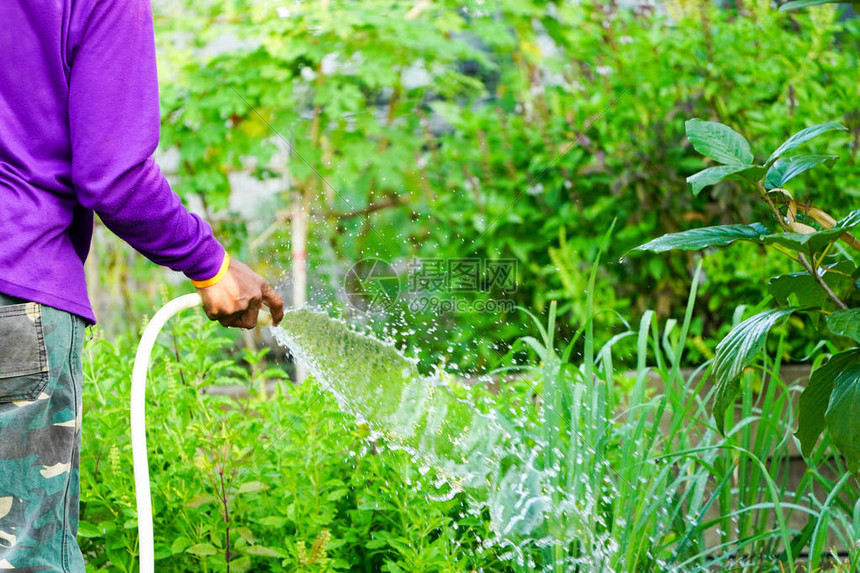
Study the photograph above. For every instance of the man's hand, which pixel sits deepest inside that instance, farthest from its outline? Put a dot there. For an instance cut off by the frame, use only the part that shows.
(236, 299)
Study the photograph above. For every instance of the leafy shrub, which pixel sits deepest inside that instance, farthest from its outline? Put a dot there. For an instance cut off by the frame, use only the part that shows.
(538, 175)
(826, 292)
(305, 489)
(277, 481)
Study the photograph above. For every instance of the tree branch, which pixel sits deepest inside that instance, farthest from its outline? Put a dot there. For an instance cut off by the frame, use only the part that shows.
(371, 208)
(801, 257)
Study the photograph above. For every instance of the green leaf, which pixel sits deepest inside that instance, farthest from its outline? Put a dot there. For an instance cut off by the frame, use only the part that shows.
(376, 543)
(802, 137)
(719, 142)
(180, 544)
(843, 413)
(813, 242)
(806, 242)
(201, 499)
(161, 551)
(726, 234)
(251, 486)
(816, 397)
(712, 176)
(787, 168)
(89, 530)
(801, 289)
(274, 521)
(202, 549)
(246, 534)
(337, 494)
(751, 174)
(798, 4)
(737, 351)
(705, 237)
(845, 323)
(392, 567)
(261, 551)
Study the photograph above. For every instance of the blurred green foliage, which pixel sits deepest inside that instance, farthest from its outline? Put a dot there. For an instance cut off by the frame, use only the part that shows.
(500, 129)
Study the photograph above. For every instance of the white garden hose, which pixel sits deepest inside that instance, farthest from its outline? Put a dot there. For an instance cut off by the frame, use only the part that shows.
(138, 425)
(140, 460)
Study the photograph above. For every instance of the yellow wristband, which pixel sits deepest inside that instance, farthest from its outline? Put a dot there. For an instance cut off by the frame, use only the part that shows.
(225, 265)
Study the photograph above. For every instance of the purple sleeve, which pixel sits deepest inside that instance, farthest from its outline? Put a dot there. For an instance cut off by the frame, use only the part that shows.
(114, 121)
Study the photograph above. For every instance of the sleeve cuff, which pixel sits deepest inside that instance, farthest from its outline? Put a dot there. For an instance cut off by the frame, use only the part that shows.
(225, 265)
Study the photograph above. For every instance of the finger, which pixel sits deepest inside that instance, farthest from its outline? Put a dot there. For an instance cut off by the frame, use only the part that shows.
(275, 302)
(211, 313)
(247, 319)
(220, 315)
(214, 309)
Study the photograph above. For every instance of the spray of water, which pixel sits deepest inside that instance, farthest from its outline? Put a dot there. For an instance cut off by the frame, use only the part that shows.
(376, 384)
(475, 450)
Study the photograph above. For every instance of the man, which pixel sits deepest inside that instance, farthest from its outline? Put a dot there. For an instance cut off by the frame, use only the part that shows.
(79, 121)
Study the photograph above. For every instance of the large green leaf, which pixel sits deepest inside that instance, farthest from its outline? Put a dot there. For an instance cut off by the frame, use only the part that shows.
(721, 235)
(787, 168)
(719, 142)
(843, 413)
(752, 173)
(802, 137)
(816, 397)
(695, 239)
(712, 176)
(801, 289)
(806, 242)
(845, 323)
(737, 351)
(798, 4)
(813, 242)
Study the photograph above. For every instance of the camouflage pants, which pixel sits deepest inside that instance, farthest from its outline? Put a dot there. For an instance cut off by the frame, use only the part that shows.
(40, 436)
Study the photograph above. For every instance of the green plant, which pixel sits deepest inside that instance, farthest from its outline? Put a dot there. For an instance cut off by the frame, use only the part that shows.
(274, 479)
(826, 291)
(308, 489)
(583, 466)
(656, 488)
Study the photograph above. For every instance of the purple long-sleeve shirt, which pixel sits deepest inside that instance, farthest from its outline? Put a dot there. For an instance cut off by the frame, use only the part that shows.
(79, 121)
